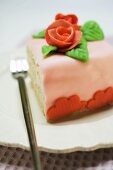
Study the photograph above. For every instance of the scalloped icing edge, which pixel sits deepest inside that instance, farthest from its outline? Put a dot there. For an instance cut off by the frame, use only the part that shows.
(65, 106)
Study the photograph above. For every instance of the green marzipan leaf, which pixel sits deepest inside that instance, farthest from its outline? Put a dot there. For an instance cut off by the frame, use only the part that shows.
(80, 52)
(47, 49)
(41, 34)
(92, 31)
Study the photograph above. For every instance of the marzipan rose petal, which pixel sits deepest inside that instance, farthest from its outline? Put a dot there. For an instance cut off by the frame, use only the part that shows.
(71, 36)
(55, 25)
(58, 23)
(76, 41)
(63, 32)
(63, 35)
(77, 27)
(52, 37)
(55, 41)
(59, 16)
(73, 19)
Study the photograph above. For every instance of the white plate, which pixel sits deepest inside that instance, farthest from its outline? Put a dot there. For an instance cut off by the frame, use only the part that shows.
(88, 133)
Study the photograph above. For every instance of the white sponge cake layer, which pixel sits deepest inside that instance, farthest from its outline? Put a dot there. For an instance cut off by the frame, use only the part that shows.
(36, 79)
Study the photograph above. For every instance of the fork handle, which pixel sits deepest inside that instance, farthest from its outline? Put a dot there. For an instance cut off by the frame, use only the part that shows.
(29, 123)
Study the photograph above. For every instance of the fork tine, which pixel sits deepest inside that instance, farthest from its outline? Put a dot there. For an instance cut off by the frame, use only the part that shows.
(12, 66)
(25, 65)
(18, 66)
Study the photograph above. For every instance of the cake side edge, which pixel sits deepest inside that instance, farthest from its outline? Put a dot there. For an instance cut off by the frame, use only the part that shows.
(36, 79)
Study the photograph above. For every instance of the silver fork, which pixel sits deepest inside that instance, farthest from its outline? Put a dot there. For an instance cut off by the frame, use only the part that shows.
(19, 70)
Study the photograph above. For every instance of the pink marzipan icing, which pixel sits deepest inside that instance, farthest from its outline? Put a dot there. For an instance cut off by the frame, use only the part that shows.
(64, 76)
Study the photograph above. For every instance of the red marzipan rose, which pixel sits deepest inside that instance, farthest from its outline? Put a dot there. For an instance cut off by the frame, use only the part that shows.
(71, 18)
(63, 35)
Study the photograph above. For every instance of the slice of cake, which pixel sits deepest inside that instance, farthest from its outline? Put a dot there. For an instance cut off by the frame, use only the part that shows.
(71, 67)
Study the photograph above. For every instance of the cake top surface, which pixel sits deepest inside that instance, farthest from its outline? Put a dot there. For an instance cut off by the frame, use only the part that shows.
(96, 49)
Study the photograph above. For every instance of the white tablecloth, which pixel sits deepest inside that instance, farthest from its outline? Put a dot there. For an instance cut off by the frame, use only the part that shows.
(18, 159)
